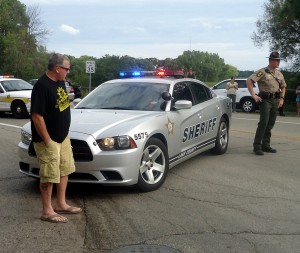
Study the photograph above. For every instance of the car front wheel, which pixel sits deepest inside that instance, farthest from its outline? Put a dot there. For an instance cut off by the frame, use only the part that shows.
(154, 166)
(222, 138)
(19, 110)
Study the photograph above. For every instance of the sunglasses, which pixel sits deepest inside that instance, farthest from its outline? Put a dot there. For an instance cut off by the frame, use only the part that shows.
(62, 67)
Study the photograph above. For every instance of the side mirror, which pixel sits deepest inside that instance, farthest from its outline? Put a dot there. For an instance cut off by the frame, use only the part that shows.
(182, 104)
(166, 96)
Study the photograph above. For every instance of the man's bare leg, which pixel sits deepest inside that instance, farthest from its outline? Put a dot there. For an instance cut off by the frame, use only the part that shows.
(46, 194)
(61, 203)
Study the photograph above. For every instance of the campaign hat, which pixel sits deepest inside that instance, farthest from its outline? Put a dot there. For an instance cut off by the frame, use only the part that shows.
(274, 56)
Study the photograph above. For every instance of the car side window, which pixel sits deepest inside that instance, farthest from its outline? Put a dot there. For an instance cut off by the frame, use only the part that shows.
(241, 83)
(181, 91)
(200, 92)
(221, 85)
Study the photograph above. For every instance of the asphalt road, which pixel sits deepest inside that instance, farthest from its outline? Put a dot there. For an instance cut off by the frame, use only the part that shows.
(237, 202)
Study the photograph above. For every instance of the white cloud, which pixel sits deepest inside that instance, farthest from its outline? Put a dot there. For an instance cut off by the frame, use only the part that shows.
(69, 29)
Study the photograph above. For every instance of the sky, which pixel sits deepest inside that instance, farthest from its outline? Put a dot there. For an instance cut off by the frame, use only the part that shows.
(154, 28)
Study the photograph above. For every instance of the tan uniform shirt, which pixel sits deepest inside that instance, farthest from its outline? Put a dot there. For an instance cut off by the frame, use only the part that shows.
(267, 81)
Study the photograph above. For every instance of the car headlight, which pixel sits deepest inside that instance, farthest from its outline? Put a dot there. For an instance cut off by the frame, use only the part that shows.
(116, 143)
(25, 137)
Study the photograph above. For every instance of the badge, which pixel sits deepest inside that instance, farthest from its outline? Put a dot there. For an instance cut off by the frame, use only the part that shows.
(170, 126)
(259, 74)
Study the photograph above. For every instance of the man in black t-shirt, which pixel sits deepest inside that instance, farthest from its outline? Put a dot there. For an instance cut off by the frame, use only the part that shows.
(50, 122)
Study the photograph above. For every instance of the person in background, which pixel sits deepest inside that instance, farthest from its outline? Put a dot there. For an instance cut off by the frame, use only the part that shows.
(50, 122)
(298, 99)
(272, 87)
(190, 73)
(231, 88)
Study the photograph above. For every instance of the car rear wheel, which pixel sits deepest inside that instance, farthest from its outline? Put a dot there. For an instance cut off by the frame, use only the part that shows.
(154, 166)
(19, 110)
(222, 138)
(248, 105)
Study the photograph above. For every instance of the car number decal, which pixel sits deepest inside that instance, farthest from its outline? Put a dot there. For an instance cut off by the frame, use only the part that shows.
(140, 136)
(201, 128)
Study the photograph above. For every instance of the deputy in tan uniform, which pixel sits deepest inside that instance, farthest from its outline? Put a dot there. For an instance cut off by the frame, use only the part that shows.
(272, 87)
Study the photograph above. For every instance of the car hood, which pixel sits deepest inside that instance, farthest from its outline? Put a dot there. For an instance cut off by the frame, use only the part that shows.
(112, 122)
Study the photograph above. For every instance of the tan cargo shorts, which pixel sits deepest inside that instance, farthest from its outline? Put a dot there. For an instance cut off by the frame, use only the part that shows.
(56, 160)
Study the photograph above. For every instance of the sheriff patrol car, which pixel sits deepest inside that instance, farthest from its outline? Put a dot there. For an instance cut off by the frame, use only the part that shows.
(130, 131)
(15, 96)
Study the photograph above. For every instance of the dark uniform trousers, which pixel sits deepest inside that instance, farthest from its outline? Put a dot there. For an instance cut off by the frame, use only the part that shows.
(268, 113)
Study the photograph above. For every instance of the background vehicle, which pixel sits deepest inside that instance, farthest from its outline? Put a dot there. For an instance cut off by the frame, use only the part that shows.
(131, 131)
(15, 95)
(244, 100)
(33, 81)
(73, 91)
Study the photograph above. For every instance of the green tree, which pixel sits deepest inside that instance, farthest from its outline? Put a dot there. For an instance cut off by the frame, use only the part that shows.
(19, 33)
(280, 27)
(208, 67)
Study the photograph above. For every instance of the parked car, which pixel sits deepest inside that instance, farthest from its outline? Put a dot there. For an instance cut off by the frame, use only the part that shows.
(131, 131)
(33, 81)
(73, 91)
(244, 100)
(15, 96)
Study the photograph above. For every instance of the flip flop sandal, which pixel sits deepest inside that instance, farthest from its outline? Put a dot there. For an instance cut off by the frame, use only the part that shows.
(52, 219)
(70, 210)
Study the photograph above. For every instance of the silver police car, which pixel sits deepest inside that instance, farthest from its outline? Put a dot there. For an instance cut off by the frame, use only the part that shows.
(131, 131)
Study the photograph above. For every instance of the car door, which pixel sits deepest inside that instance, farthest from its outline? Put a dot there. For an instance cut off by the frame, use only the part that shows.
(4, 106)
(195, 126)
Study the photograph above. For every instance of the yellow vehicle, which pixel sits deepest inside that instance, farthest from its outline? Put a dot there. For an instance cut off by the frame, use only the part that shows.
(15, 96)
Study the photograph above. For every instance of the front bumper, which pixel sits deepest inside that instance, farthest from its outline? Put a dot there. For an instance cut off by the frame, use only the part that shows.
(120, 167)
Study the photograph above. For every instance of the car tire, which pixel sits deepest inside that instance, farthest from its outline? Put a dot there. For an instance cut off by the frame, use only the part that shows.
(154, 166)
(19, 109)
(248, 105)
(222, 138)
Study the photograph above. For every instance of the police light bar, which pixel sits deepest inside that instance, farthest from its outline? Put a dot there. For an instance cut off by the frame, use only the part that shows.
(168, 72)
(6, 76)
(135, 73)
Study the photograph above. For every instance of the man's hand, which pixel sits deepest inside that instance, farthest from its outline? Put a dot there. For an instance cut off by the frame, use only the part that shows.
(280, 104)
(256, 98)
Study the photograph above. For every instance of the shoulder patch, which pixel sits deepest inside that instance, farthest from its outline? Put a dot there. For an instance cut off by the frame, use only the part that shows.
(259, 74)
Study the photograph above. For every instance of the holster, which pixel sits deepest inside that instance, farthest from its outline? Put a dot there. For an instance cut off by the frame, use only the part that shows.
(268, 95)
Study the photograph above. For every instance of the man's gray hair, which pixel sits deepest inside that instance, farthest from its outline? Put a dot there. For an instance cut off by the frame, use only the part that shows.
(57, 60)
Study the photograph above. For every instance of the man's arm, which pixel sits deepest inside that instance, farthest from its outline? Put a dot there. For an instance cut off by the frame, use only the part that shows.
(281, 99)
(40, 127)
(250, 83)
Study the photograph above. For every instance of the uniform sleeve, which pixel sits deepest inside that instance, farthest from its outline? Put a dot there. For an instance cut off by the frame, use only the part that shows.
(257, 75)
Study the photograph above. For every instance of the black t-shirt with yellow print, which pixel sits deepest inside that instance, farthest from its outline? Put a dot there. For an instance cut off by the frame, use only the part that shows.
(50, 99)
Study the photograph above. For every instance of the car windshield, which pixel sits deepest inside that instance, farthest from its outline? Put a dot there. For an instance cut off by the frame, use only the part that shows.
(126, 96)
(16, 85)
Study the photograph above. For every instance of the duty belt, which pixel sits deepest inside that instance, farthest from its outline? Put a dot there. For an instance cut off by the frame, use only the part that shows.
(268, 95)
